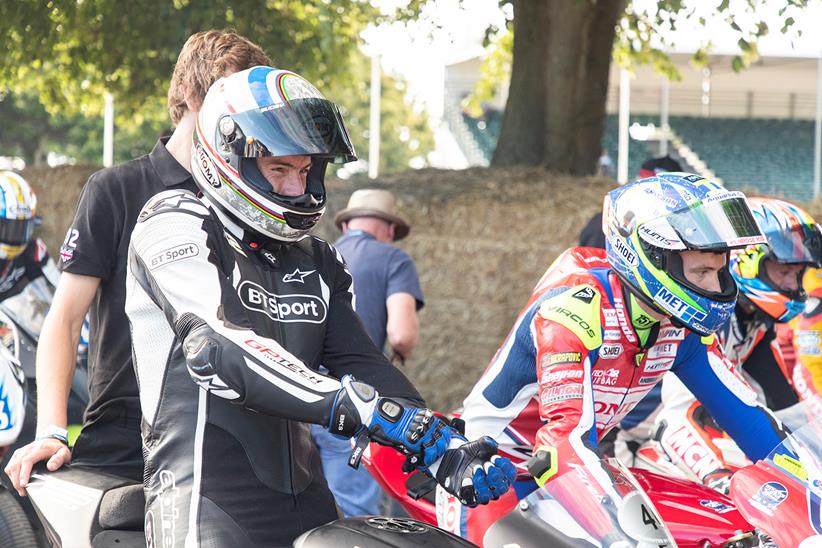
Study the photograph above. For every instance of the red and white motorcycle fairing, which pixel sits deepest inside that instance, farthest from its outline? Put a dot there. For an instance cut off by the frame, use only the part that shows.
(782, 494)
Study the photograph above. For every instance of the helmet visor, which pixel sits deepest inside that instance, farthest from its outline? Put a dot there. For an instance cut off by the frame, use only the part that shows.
(719, 223)
(801, 244)
(16, 231)
(300, 127)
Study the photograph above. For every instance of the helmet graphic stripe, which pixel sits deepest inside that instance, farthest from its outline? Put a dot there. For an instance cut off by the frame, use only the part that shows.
(257, 83)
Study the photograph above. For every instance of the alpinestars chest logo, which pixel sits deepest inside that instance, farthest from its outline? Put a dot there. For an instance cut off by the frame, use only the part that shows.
(297, 276)
(282, 308)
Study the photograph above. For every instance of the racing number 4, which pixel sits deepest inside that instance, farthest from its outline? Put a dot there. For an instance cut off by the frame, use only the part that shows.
(648, 517)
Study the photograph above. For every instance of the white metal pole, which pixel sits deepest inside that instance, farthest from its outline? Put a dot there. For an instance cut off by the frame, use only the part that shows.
(108, 130)
(624, 115)
(817, 140)
(664, 103)
(374, 123)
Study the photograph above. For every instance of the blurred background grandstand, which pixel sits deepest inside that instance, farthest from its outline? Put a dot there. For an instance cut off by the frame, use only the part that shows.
(753, 129)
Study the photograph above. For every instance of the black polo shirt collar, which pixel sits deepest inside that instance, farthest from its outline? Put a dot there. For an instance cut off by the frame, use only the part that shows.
(168, 168)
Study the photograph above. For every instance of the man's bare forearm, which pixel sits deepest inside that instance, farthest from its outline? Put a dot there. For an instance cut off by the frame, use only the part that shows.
(56, 359)
(57, 347)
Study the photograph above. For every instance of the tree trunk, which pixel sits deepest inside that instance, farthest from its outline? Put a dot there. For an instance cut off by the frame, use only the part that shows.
(555, 112)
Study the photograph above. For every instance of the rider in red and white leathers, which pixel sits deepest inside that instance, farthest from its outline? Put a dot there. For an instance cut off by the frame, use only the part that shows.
(600, 330)
(771, 293)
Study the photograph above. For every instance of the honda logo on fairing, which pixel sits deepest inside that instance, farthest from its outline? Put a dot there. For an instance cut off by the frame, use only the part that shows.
(282, 308)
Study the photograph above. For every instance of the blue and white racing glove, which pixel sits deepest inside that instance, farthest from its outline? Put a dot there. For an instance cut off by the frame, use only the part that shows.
(359, 412)
(473, 472)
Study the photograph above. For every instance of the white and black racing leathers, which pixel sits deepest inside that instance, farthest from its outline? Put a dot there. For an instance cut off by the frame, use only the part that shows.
(228, 458)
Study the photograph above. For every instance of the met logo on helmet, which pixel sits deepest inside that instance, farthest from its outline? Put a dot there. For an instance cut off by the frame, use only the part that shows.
(677, 306)
(625, 253)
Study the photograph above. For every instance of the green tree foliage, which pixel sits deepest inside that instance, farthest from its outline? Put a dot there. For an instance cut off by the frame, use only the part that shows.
(71, 51)
(68, 53)
(640, 33)
(404, 133)
(551, 53)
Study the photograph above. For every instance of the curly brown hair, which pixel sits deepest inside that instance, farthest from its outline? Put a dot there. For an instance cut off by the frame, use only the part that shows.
(207, 56)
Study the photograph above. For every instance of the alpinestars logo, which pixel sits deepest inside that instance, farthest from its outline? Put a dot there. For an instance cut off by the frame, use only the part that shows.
(297, 276)
(167, 500)
(586, 294)
(282, 308)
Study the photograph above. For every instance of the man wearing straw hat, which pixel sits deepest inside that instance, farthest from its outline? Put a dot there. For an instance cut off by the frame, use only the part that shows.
(388, 295)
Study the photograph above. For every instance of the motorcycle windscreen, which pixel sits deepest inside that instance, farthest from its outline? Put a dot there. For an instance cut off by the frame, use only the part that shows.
(600, 504)
(780, 494)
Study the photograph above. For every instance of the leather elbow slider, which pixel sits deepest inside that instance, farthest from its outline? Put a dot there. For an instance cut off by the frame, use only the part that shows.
(544, 464)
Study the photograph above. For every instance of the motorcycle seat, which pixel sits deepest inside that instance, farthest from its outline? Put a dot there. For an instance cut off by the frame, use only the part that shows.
(123, 508)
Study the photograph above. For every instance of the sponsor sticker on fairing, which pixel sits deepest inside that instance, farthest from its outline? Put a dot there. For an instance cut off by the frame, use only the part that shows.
(716, 506)
(769, 496)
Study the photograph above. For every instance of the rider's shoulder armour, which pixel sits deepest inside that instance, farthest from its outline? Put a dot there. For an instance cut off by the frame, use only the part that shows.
(577, 309)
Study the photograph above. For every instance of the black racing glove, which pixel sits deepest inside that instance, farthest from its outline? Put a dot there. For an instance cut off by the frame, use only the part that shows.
(473, 472)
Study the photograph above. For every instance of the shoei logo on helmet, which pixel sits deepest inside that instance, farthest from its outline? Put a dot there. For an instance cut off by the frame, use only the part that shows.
(677, 306)
(282, 308)
(625, 253)
(206, 167)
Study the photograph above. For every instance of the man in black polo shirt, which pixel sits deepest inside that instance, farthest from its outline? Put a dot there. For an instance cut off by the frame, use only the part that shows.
(93, 259)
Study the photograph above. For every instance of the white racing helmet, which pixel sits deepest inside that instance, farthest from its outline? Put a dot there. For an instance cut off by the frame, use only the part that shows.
(12, 397)
(264, 111)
